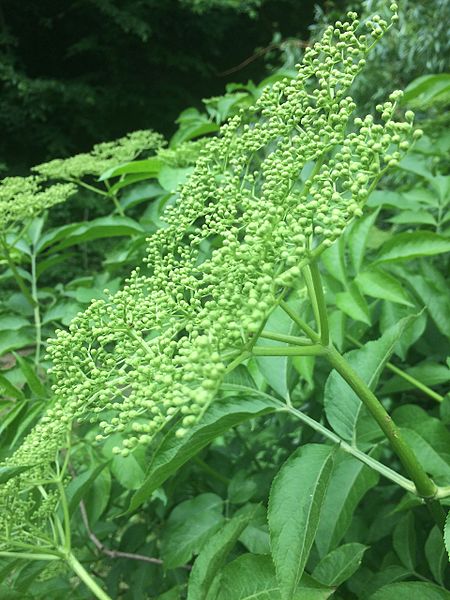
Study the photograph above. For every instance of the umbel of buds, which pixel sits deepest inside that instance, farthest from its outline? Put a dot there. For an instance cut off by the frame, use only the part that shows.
(278, 185)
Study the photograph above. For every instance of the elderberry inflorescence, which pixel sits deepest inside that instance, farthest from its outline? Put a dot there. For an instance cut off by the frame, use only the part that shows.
(280, 182)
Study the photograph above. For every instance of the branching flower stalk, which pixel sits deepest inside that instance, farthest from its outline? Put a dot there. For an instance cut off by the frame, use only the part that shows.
(267, 196)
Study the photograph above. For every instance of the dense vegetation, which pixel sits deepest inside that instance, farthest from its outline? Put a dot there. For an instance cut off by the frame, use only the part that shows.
(225, 356)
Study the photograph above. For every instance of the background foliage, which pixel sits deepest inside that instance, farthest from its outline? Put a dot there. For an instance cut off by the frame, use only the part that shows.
(200, 509)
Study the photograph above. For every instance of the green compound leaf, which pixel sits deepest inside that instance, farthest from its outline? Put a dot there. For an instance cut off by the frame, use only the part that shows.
(406, 246)
(214, 553)
(173, 452)
(295, 503)
(343, 407)
(411, 590)
(340, 564)
(189, 526)
(252, 577)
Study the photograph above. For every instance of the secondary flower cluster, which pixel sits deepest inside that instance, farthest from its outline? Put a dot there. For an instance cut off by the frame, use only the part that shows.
(279, 183)
(102, 156)
(23, 198)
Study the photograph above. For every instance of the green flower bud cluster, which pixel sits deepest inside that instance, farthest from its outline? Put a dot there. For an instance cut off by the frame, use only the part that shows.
(281, 181)
(26, 197)
(102, 156)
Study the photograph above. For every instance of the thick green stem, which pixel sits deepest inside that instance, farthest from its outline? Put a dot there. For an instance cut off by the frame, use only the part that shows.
(78, 568)
(426, 488)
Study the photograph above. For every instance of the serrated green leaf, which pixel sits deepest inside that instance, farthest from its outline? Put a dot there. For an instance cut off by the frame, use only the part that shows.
(295, 502)
(340, 564)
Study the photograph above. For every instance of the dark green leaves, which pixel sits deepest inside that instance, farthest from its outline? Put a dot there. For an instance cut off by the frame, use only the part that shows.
(295, 503)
